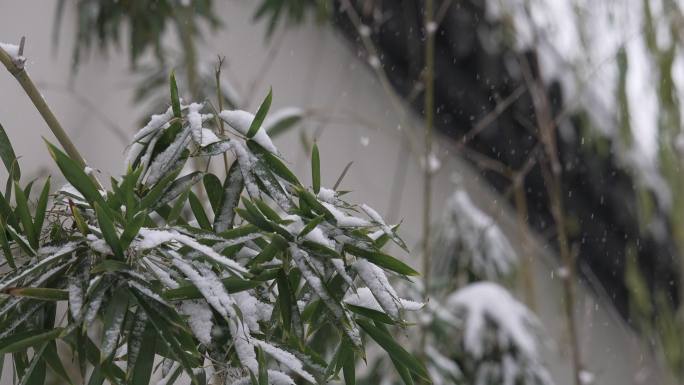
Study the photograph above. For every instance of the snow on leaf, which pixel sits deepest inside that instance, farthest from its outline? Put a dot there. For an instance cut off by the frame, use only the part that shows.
(379, 286)
(488, 302)
(344, 220)
(199, 319)
(287, 359)
(240, 121)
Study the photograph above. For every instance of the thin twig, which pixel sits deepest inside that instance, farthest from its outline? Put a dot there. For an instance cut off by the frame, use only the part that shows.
(551, 171)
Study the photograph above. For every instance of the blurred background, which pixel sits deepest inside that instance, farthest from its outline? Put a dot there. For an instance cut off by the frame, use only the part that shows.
(559, 120)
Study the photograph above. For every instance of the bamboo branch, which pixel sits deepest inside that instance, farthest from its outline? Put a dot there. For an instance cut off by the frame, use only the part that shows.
(15, 66)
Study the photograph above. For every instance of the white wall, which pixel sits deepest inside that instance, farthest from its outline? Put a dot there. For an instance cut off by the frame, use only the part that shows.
(314, 69)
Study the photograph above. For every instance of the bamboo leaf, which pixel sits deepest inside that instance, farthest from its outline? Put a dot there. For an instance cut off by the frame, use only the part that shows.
(76, 176)
(284, 299)
(232, 188)
(29, 340)
(198, 211)
(113, 320)
(175, 101)
(51, 357)
(214, 189)
(260, 115)
(8, 156)
(41, 208)
(373, 314)
(41, 293)
(25, 215)
(190, 291)
(109, 232)
(178, 187)
(380, 259)
(396, 352)
(315, 169)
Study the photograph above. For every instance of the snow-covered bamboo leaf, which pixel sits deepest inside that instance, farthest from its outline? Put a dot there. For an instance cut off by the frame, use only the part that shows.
(260, 115)
(190, 291)
(274, 164)
(216, 148)
(232, 188)
(179, 186)
(170, 158)
(380, 259)
(177, 340)
(113, 320)
(140, 369)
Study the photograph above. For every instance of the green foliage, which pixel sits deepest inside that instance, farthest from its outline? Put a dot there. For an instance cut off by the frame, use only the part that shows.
(147, 271)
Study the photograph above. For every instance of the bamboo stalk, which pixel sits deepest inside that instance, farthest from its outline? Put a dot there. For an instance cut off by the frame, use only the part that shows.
(430, 29)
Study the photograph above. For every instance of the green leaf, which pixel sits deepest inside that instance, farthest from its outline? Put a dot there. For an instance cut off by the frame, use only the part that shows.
(277, 245)
(75, 175)
(21, 241)
(132, 228)
(41, 293)
(8, 156)
(214, 189)
(113, 320)
(4, 243)
(25, 215)
(380, 259)
(198, 211)
(175, 101)
(348, 362)
(396, 352)
(51, 357)
(41, 208)
(260, 115)
(284, 299)
(373, 314)
(29, 340)
(311, 225)
(35, 373)
(315, 169)
(109, 231)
